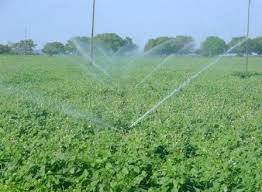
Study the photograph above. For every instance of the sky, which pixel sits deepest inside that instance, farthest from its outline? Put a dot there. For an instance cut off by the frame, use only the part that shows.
(58, 20)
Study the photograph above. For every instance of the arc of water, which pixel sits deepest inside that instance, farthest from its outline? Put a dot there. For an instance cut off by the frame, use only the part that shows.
(161, 64)
(183, 85)
(119, 50)
(86, 56)
(85, 69)
(151, 50)
(185, 47)
(154, 70)
(105, 55)
(56, 104)
(157, 47)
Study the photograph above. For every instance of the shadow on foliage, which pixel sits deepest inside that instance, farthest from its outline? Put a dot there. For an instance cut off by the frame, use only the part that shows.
(245, 75)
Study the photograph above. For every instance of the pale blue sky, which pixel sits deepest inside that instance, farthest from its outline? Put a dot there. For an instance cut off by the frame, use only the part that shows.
(51, 20)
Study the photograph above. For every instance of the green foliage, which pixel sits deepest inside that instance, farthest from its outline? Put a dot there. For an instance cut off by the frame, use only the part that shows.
(128, 47)
(23, 47)
(213, 46)
(114, 43)
(241, 50)
(156, 42)
(179, 45)
(257, 45)
(54, 48)
(109, 42)
(70, 48)
(244, 75)
(184, 45)
(77, 42)
(4, 49)
(55, 128)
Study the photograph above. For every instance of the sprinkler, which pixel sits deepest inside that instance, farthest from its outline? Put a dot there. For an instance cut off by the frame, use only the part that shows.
(247, 35)
(93, 32)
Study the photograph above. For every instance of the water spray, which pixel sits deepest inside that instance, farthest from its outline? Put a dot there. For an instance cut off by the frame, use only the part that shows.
(86, 56)
(154, 70)
(105, 55)
(55, 104)
(160, 65)
(119, 50)
(183, 85)
(151, 50)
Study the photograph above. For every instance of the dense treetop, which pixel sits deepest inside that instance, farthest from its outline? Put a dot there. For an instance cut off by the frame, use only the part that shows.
(113, 44)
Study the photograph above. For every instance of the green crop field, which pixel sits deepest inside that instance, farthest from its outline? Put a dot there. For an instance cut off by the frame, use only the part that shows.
(66, 126)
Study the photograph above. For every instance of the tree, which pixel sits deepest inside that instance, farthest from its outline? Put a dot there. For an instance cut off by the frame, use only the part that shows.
(70, 48)
(74, 44)
(24, 47)
(4, 49)
(160, 45)
(241, 49)
(257, 47)
(128, 47)
(184, 45)
(213, 46)
(54, 48)
(170, 45)
(109, 41)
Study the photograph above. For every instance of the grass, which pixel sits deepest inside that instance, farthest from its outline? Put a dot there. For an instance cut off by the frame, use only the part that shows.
(64, 126)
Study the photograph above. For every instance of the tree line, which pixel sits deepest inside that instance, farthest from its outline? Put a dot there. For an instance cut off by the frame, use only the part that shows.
(114, 44)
